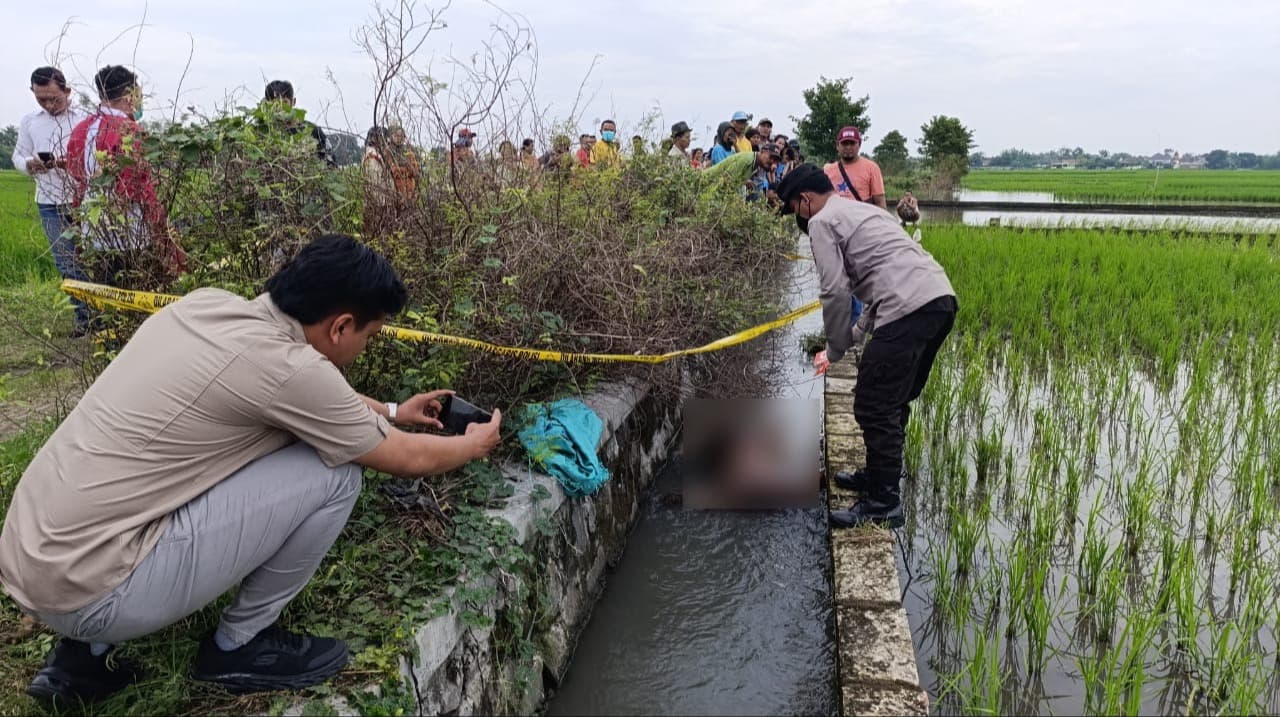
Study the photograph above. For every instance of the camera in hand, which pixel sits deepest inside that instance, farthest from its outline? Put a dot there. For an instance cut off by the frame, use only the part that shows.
(46, 157)
(456, 413)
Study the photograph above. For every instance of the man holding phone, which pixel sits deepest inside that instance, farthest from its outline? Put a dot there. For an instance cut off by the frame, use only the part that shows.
(41, 153)
(222, 446)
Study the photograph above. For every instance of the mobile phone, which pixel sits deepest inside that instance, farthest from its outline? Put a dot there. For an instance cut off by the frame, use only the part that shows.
(46, 157)
(456, 413)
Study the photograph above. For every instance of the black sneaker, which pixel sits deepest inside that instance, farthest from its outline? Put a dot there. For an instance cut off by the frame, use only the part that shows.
(73, 676)
(275, 659)
(883, 510)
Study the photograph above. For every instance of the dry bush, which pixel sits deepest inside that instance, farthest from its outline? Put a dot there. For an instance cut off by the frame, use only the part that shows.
(644, 258)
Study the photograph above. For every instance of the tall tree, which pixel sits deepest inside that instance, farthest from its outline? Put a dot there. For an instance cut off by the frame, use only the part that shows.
(830, 108)
(892, 154)
(8, 140)
(945, 144)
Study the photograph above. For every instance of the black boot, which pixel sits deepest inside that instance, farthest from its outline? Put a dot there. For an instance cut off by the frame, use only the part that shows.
(856, 481)
(72, 675)
(275, 659)
(859, 482)
(884, 509)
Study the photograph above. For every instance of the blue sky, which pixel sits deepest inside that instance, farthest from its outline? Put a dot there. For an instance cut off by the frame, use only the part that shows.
(1131, 75)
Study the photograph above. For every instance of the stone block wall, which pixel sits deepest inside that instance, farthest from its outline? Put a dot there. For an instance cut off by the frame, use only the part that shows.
(461, 669)
(877, 659)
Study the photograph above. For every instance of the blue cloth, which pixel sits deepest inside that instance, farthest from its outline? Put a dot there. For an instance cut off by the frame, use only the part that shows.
(858, 308)
(561, 438)
(719, 154)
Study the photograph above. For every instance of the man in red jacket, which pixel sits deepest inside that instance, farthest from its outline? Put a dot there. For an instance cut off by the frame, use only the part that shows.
(109, 142)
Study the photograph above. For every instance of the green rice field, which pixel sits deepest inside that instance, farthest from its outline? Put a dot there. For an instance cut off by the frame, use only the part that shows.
(24, 252)
(1096, 476)
(1145, 185)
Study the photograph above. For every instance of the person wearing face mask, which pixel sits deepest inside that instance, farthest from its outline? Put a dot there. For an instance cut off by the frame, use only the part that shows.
(606, 152)
(853, 175)
(41, 153)
(860, 250)
(726, 143)
(110, 142)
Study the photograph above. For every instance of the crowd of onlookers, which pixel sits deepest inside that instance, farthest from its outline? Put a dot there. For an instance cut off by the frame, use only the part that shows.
(64, 148)
(749, 152)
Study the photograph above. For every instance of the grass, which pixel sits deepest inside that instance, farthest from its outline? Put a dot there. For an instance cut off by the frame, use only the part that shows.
(1097, 453)
(1146, 185)
(24, 251)
(39, 366)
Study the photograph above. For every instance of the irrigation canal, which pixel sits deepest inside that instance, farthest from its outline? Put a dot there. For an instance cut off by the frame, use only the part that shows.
(717, 612)
(733, 613)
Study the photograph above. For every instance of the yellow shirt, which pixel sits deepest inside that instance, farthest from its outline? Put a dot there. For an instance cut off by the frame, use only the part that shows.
(603, 152)
(743, 145)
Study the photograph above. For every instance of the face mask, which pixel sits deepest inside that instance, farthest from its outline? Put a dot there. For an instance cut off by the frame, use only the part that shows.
(607, 135)
(802, 223)
(137, 114)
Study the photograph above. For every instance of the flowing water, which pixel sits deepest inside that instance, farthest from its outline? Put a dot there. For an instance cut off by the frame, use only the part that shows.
(717, 612)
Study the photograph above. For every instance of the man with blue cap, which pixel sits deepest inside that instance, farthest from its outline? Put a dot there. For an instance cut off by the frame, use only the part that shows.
(739, 122)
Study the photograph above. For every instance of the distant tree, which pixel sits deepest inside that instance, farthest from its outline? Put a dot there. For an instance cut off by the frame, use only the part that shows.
(1247, 160)
(830, 108)
(977, 159)
(8, 139)
(1218, 159)
(945, 144)
(892, 154)
(1014, 158)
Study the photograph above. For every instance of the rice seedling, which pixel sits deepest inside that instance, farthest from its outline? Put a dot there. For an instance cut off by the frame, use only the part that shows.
(1104, 436)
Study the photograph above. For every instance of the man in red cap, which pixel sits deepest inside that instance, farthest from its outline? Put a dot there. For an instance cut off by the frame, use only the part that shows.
(855, 176)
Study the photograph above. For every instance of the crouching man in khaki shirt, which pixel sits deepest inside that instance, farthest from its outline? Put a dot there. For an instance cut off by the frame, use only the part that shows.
(222, 446)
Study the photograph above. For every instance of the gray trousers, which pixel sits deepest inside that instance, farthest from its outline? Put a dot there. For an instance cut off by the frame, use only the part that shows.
(267, 527)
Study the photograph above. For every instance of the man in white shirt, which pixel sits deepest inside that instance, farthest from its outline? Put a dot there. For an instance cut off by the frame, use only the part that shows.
(41, 152)
(681, 136)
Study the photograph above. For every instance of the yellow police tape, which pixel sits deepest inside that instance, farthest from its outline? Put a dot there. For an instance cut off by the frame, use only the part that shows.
(111, 297)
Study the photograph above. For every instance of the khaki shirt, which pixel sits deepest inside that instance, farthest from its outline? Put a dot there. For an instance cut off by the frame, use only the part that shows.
(204, 387)
(861, 250)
